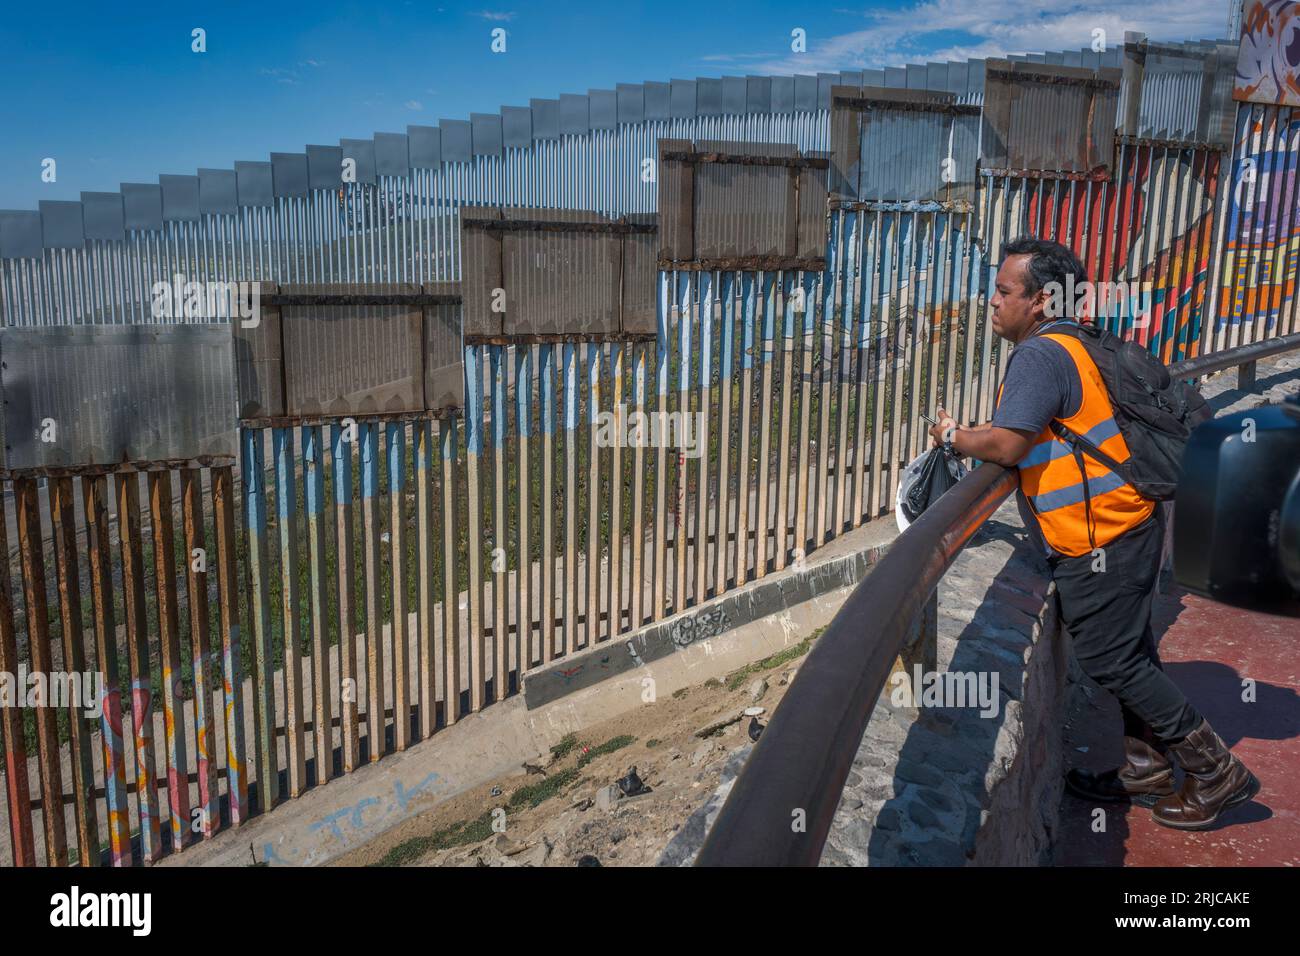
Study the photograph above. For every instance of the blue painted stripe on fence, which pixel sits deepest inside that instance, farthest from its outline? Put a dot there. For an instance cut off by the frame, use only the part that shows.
(769, 314)
(396, 443)
(662, 316)
(473, 399)
(254, 502)
(447, 439)
(706, 329)
(570, 388)
(342, 464)
(523, 391)
(787, 290)
(496, 365)
(728, 323)
(313, 472)
(546, 387)
(594, 351)
(684, 330)
(285, 497)
(868, 289)
(369, 434)
(747, 321)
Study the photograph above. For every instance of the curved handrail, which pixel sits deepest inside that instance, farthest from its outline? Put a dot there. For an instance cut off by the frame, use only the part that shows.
(807, 749)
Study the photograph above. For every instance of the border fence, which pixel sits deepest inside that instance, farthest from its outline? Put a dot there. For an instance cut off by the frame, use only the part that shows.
(562, 371)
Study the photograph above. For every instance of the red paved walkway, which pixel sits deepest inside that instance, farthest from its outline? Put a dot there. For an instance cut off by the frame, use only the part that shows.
(1208, 649)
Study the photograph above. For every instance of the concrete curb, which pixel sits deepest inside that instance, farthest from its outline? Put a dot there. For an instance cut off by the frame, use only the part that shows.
(841, 563)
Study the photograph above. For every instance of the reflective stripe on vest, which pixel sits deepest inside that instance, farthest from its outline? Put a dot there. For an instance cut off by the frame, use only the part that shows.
(1050, 479)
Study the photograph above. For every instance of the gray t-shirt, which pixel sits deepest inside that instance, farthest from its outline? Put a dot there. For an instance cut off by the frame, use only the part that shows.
(1041, 383)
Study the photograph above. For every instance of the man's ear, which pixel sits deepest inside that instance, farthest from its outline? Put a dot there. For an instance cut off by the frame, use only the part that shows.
(1038, 305)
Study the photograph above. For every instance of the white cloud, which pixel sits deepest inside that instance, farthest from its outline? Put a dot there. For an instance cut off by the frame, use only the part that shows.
(495, 15)
(281, 75)
(922, 32)
(414, 105)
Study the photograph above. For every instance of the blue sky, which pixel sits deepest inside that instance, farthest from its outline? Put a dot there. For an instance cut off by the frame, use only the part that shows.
(114, 93)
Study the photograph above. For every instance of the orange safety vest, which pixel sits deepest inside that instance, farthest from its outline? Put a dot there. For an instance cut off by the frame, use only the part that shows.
(1072, 522)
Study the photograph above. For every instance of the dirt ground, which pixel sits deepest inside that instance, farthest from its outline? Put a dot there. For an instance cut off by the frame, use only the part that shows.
(551, 812)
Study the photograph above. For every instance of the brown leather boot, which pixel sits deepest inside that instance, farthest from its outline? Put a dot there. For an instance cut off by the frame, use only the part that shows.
(1147, 775)
(1215, 780)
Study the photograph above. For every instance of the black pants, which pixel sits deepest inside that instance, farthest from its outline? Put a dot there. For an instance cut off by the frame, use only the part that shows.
(1108, 615)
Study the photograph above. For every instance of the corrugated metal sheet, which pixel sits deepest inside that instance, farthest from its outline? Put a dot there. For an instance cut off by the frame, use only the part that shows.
(640, 264)
(743, 210)
(352, 359)
(93, 395)
(556, 281)
(560, 283)
(903, 145)
(444, 353)
(715, 206)
(259, 361)
(1178, 91)
(1045, 120)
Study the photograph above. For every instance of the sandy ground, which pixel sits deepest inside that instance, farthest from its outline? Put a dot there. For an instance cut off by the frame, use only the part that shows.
(568, 825)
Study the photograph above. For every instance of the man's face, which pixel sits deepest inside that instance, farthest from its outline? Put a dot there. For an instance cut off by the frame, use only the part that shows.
(1014, 311)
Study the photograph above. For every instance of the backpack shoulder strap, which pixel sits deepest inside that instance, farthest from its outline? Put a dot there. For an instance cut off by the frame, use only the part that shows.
(1066, 435)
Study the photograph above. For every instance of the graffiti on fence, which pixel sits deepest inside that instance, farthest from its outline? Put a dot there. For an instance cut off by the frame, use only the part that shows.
(1262, 237)
(1268, 66)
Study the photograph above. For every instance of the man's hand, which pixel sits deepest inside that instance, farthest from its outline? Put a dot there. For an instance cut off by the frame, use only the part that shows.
(987, 442)
(945, 430)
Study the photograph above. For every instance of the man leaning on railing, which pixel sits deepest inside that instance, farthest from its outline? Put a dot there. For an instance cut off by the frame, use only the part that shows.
(1102, 540)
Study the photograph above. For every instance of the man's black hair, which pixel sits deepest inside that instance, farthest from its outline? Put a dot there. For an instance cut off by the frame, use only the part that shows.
(1048, 262)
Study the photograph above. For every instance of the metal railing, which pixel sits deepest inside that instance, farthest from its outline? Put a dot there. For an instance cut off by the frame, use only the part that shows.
(806, 752)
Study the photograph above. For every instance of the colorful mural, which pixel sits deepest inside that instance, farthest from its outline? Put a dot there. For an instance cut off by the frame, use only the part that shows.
(1150, 229)
(1262, 228)
(1268, 64)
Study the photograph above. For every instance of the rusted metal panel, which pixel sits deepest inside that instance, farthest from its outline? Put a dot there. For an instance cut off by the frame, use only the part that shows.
(640, 263)
(1041, 119)
(352, 359)
(554, 272)
(741, 205)
(18, 798)
(481, 279)
(444, 356)
(32, 557)
(676, 203)
(895, 145)
(259, 360)
(348, 349)
(101, 395)
(1177, 92)
(561, 283)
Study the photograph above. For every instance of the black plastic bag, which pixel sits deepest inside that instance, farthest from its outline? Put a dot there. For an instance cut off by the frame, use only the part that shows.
(923, 486)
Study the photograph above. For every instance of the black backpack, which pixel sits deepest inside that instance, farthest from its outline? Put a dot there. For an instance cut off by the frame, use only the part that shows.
(1155, 414)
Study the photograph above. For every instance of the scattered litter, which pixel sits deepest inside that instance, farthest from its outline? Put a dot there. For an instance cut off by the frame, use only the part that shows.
(588, 860)
(582, 804)
(755, 728)
(496, 791)
(1082, 750)
(632, 785)
(754, 711)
